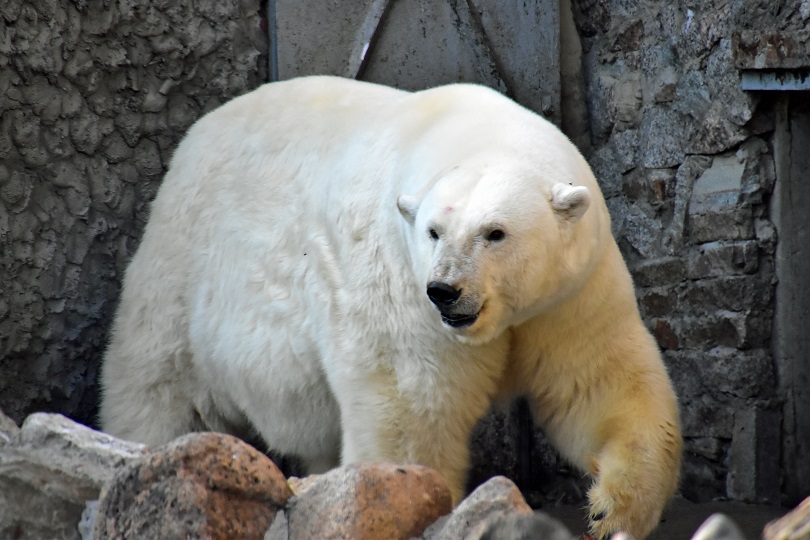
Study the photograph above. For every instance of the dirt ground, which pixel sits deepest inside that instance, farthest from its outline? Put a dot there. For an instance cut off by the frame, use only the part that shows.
(682, 518)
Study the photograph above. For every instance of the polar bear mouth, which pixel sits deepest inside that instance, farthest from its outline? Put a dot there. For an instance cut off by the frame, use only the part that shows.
(459, 321)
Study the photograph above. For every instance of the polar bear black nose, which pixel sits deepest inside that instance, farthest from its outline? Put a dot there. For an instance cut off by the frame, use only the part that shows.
(442, 294)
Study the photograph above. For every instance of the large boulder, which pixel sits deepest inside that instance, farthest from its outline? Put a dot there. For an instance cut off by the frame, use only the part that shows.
(49, 469)
(201, 485)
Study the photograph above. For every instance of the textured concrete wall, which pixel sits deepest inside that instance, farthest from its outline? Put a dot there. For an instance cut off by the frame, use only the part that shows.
(686, 162)
(94, 96)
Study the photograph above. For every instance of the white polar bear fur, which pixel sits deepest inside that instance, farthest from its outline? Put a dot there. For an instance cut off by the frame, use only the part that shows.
(280, 286)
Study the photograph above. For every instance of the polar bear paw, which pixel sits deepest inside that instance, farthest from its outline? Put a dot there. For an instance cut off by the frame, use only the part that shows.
(615, 508)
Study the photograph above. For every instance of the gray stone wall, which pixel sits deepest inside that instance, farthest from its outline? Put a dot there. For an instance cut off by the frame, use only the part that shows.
(685, 159)
(94, 97)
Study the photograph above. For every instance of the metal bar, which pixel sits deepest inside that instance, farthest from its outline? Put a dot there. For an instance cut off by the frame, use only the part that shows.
(778, 80)
(365, 38)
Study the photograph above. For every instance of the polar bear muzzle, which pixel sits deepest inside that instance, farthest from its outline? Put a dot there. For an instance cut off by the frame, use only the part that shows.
(445, 297)
(442, 294)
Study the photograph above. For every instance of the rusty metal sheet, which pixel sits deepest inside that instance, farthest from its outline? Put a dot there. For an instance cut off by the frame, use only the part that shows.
(771, 50)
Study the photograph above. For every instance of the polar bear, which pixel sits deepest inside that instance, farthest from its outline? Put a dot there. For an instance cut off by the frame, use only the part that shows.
(356, 272)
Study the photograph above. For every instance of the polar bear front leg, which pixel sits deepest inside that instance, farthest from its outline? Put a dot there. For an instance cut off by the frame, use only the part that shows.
(628, 439)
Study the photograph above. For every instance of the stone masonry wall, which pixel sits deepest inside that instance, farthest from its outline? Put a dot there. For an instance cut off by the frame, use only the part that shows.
(94, 97)
(685, 160)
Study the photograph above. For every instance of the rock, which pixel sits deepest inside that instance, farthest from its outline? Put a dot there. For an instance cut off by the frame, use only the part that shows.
(520, 526)
(685, 177)
(663, 134)
(715, 209)
(622, 536)
(88, 520)
(591, 16)
(718, 527)
(54, 465)
(300, 485)
(640, 229)
(279, 529)
(625, 145)
(793, 526)
(201, 485)
(86, 453)
(365, 501)
(8, 429)
(493, 499)
(600, 105)
(608, 167)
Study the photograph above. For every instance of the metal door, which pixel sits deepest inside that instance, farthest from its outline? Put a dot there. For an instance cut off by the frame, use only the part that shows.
(509, 45)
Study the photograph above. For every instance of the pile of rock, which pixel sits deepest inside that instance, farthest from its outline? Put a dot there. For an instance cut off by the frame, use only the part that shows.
(89, 485)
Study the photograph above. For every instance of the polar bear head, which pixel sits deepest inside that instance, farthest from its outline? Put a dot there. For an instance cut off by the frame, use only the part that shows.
(500, 232)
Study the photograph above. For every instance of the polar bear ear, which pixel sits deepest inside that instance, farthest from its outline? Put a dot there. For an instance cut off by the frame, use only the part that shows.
(407, 207)
(569, 201)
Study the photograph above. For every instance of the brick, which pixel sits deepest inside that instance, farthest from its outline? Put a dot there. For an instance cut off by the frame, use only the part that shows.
(721, 377)
(735, 293)
(704, 416)
(721, 223)
(742, 374)
(717, 259)
(682, 366)
(723, 179)
(665, 335)
(708, 447)
(659, 271)
(741, 330)
(658, 301)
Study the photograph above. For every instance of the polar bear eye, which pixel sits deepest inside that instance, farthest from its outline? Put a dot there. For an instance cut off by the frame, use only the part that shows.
(433, 234)
(495, 235)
